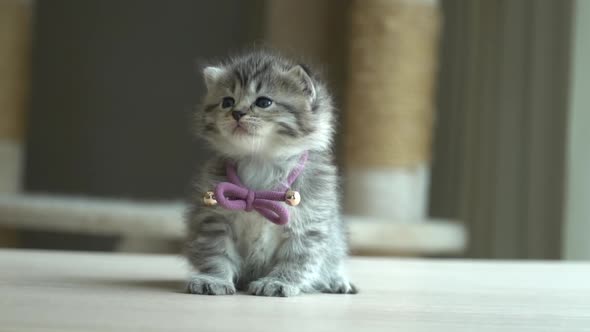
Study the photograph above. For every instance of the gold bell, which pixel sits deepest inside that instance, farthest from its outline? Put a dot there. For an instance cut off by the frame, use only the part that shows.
(209, 199)
(292, 198)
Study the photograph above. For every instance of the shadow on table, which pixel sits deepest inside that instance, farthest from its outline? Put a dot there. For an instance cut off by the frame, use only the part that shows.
(160, 285)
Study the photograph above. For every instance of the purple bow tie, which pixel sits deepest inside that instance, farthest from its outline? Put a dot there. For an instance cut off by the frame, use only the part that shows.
(233, 195)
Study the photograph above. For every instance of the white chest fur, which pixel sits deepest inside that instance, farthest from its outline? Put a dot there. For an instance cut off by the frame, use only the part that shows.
(256, 238)
(260, 174)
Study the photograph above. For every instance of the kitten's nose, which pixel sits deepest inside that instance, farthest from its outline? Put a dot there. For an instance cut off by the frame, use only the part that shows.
(237, 114)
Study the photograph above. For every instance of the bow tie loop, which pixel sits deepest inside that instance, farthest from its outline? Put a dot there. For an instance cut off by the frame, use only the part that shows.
(268, 203)
(234, 195)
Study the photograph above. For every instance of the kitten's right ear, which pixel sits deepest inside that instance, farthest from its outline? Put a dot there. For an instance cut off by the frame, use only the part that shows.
(211, 75)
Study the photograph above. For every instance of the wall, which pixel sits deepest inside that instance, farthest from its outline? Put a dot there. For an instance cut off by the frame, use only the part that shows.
(499, 161)
(113, 88)
(576, 243)
(114, 85)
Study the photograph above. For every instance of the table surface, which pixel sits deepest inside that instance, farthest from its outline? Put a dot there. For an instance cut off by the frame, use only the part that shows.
(61, 291)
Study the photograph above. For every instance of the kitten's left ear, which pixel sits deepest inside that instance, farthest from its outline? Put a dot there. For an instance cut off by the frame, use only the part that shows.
(211, 75)
(302, 75)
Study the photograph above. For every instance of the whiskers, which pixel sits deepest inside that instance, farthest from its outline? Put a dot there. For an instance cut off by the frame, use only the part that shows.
(251, 123)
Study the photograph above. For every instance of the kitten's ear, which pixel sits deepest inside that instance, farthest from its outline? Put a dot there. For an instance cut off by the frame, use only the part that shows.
(301, 74)
(211, 75)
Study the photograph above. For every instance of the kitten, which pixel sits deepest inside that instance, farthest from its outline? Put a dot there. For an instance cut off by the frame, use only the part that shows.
(262, 112)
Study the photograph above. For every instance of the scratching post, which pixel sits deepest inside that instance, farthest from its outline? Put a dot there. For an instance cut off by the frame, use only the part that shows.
(390, 107)
(14, 64)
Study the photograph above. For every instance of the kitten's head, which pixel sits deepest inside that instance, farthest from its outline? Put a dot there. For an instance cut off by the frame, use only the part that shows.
(263, 104)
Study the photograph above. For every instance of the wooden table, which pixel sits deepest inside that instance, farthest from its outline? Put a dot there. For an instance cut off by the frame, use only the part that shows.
(60, 291)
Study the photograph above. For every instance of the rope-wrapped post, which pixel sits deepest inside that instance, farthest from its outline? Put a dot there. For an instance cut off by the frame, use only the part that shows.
(15, 29)
(15, 18)
(390, 107)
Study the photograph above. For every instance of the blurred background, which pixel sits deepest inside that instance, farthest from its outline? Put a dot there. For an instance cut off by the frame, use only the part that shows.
(464, 130)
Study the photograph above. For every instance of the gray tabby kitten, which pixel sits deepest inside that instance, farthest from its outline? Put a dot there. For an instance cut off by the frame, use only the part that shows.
(263, 111)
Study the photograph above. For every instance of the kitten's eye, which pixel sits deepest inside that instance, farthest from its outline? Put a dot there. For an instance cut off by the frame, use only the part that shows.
(263, 102)
(227, 102)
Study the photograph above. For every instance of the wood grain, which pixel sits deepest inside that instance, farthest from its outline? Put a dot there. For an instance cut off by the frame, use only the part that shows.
(59, 291)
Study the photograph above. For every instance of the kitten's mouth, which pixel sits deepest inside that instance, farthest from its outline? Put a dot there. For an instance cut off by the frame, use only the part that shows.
(240, 130)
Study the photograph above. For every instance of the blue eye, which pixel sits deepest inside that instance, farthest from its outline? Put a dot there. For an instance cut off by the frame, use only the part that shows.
(263, 102)
(227, 102)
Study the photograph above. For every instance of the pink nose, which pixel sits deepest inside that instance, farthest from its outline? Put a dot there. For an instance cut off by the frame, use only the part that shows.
(237, 115)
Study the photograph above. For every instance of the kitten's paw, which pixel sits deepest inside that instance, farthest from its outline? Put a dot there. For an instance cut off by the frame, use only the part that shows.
(272, 287)
(341, 286)
(207, 285)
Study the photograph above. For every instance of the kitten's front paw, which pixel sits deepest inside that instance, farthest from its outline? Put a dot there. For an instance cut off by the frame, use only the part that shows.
(341, 286)
(272, 287)
(207, 285)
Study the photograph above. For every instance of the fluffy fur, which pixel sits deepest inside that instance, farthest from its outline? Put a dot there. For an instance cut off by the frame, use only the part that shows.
(242, 250)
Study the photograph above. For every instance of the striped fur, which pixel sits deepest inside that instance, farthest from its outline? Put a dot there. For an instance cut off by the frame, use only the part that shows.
(242, 250)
